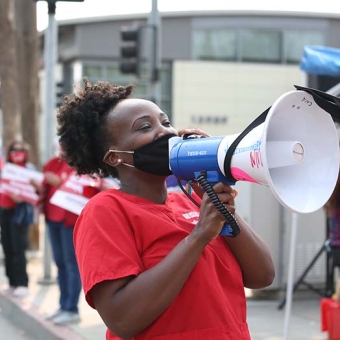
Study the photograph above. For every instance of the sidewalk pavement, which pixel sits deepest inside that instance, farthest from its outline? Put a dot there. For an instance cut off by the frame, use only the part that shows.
(266, 321)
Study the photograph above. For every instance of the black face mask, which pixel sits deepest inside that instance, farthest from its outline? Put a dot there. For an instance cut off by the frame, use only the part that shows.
(152, 158)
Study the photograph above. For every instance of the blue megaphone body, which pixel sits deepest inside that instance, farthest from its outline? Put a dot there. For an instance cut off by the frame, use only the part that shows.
(188, 157)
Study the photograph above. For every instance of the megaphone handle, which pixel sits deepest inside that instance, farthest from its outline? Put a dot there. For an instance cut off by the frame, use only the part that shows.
(230, 228)
(227, 230)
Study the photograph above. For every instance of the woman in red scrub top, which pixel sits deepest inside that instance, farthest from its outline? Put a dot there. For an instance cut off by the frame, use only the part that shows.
(152, 263)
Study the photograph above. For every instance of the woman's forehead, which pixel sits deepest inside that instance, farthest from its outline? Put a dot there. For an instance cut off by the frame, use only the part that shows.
(129, 108)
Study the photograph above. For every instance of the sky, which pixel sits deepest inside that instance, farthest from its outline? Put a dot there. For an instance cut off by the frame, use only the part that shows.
(93, 8)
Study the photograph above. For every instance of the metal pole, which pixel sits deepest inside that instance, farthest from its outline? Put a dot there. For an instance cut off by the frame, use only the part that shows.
(51, 40)
(155, 54)
(50, 58)
(290, 278)
(47, 260)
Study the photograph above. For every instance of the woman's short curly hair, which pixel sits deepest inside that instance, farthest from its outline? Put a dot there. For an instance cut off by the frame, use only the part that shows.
(83, 128)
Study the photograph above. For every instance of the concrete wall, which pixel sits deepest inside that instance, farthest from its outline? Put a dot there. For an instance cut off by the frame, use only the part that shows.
(238, 91)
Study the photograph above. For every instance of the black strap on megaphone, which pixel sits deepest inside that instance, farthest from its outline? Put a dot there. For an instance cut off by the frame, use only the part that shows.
(259, 120)
(327, 102)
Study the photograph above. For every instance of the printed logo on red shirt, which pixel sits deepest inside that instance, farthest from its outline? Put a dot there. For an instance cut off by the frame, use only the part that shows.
(192, 215)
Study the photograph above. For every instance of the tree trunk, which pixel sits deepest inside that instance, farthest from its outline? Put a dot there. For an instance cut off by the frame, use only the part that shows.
(28, 82)
(10, 101)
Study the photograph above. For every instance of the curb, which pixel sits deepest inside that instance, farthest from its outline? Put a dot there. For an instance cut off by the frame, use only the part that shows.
(27, 317)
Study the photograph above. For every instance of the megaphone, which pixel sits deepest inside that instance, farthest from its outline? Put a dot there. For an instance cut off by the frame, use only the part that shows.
(295, 152)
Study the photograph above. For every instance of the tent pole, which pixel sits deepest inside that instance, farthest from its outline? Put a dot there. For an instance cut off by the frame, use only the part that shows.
(290, 278)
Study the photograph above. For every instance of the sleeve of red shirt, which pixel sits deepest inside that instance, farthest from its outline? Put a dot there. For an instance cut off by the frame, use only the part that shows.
(90, 191)
(104, 243)
(70, 219)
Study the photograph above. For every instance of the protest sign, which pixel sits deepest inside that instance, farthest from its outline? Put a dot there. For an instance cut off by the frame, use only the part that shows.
(15, 180)
(70, 195)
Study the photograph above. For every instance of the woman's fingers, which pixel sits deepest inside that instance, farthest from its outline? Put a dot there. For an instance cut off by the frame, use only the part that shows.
(195, 131)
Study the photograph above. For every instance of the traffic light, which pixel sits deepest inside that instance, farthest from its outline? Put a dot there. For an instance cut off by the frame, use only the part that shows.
(60, 92)
(130, 51)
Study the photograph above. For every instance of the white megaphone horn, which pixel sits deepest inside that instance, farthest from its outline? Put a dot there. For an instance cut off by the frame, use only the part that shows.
(295, 152)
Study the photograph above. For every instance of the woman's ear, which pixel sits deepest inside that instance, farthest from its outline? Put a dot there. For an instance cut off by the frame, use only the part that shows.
(112, 158)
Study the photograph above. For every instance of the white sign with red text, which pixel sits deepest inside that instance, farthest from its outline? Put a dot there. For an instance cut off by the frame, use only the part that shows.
(15, 180)
(70, 195)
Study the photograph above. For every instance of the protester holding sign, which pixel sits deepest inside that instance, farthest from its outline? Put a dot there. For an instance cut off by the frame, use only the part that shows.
(60, 220)
(15, 218)
(60, 223)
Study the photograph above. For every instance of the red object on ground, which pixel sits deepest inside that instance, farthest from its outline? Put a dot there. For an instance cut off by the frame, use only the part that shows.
(324, 310)
(333, 321)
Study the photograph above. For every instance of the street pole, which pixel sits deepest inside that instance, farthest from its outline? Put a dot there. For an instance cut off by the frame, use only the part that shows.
(154, 23)
(50, 60)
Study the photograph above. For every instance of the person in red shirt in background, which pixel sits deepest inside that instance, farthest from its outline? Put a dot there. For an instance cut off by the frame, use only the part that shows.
(152, 263)
(60, 223)
(15, 227)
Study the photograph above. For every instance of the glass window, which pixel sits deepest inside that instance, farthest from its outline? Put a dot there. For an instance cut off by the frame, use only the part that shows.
(110, 72)
(165, 76)
(214, 44)
(294, 42)
(93, 72)
(261, 46)
(114, 75)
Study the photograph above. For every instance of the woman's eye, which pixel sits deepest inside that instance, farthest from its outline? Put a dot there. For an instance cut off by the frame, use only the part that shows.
(144, 127)
(167, 123)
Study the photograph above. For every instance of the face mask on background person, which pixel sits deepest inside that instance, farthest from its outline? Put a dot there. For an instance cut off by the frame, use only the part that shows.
(17, 157)
(153, 157)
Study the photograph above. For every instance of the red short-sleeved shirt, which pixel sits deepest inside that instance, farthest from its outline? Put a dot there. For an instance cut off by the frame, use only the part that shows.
(119, 235)
(62, 169)
(6, 201)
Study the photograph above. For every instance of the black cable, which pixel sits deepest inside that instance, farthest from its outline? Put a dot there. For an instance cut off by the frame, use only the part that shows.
(219, 205)
(232, 224)
(187, 194)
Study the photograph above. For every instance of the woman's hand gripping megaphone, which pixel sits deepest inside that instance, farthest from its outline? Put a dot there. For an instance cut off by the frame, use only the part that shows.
(225, 208)
(211, 221)
(196, 131)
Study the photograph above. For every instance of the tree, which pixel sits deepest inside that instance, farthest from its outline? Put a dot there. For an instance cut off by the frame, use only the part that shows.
(19, 73)
(28, 81)
(10, 97)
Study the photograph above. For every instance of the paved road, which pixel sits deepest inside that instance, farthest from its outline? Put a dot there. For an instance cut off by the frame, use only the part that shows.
(10, 332)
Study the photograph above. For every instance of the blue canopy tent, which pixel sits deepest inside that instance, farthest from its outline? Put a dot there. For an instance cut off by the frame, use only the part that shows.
(321, 60)
(324, 62)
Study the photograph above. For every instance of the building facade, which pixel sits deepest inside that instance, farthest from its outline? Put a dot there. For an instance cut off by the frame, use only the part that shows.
(219, 71)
